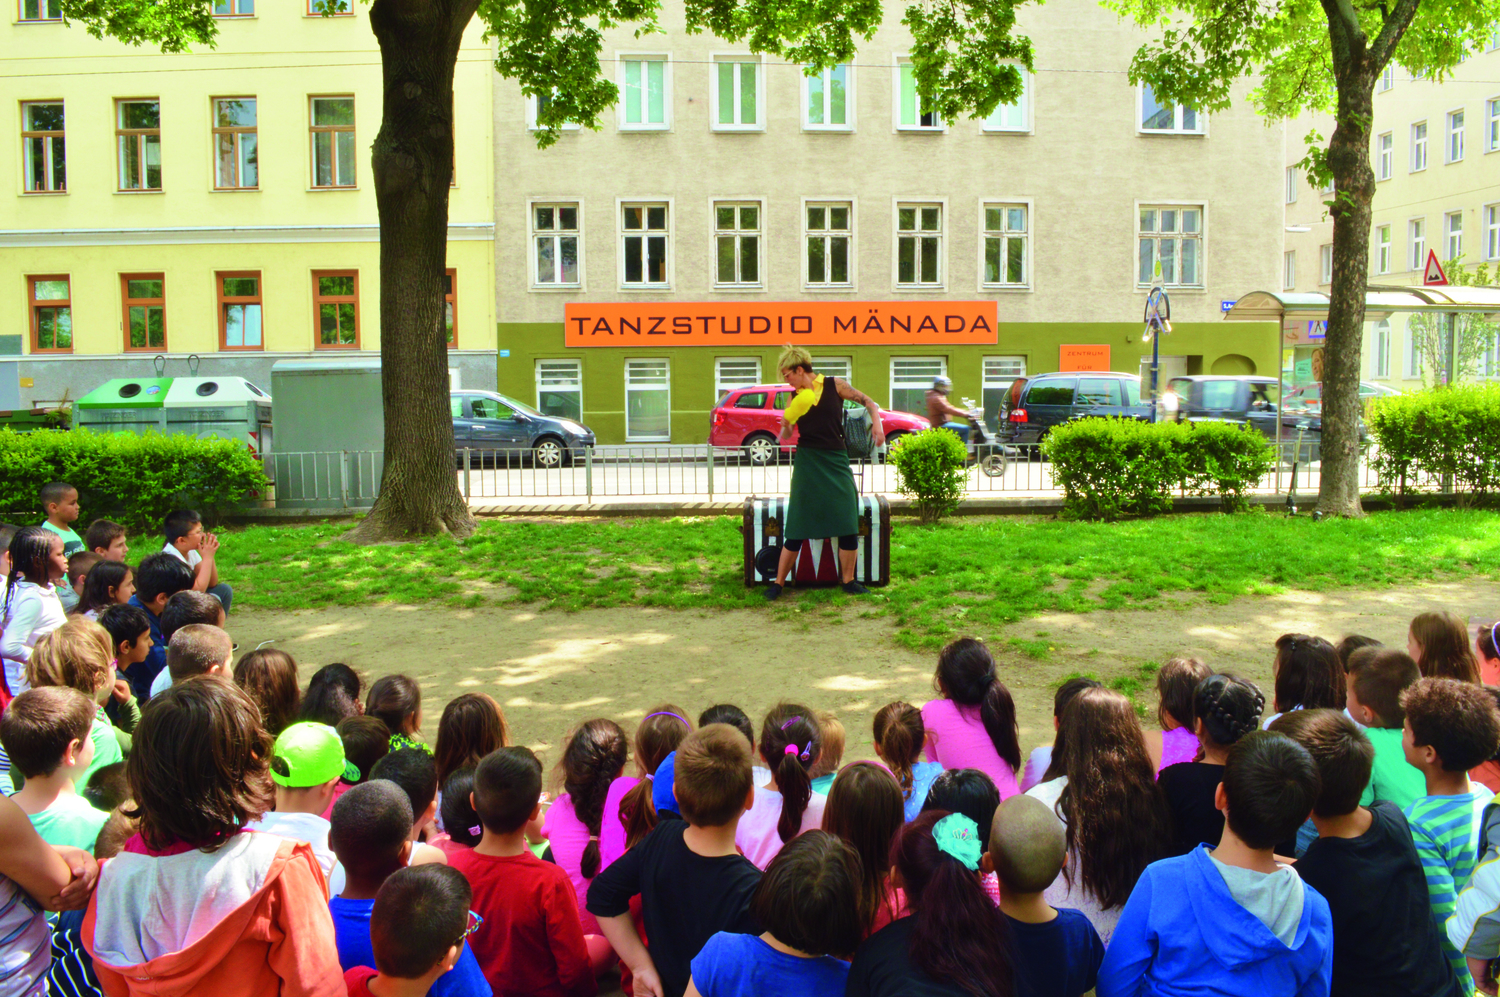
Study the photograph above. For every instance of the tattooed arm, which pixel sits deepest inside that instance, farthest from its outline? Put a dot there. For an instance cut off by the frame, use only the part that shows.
(850, 393)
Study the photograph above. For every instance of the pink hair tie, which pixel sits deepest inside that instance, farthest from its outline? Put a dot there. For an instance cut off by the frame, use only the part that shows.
(477, 830)
(791, 749)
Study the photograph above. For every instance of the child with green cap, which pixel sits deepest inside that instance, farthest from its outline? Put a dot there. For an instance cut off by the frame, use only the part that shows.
(306, 765)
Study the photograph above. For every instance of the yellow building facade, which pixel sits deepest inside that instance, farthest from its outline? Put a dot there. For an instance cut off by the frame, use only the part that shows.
(218, 202)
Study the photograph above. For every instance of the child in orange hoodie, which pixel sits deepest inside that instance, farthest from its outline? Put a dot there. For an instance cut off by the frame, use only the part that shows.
(195, 904)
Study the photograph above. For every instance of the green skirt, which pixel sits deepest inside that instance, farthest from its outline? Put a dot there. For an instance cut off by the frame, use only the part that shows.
(823, 502)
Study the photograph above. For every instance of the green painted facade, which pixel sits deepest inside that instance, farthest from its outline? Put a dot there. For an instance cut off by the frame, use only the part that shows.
(1209, 348)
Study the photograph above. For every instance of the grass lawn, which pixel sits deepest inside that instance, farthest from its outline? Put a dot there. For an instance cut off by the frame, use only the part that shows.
(968, 574)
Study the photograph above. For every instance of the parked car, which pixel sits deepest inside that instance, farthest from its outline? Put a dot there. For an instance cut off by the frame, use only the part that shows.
(750, 419)
(1034, 406)
(1309, 397)
(1249, 401)
(484, 420)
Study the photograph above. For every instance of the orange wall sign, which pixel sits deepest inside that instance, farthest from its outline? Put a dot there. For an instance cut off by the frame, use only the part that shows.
(1090, 356)
(813, 323)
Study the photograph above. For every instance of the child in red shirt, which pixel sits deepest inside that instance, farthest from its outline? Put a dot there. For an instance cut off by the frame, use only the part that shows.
(417, 929)
(532, 942)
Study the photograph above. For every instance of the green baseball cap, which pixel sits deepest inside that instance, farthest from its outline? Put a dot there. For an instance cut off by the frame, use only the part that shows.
(309, 754)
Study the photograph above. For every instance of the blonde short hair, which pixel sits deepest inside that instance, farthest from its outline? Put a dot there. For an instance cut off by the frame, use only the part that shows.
(76, 655)
(794, 356)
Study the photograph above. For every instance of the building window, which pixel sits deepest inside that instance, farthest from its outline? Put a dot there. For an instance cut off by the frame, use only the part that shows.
(41, 10)
(1171, 241)
(829, 236)
(450, 306)
(334, 8)
(919, 245)
(1383, 257)
(737, 372)
(1387, 78)
(911, 112)
(737, 94)
(145, 306)
(1454, 223)
(51, 314)
(1492, 125)
(835, 367)
(1456, 137)
(1325, 258)
(138, 137)
(1382, 364)
(1013, 117)
(648, 400)
(1413, 352)
(42, 147)
(645, 86)
(1417, 233)
(1419, 146)
(911, 377)
(998, 375)
(333, 141)
(1289, 270)
(235, 161)
(643, 239)
(555, 235)
(1291, 185)
(234, 8)
(1155, 116)
(1385, 155)
(1492, 232)
(827, 103)
(1004, 263)
(737, 244)
(535, 105)
(336, 308)
(239, 310)
(559, 388)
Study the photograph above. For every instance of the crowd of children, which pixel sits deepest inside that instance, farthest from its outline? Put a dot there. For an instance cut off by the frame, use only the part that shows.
(213, 825)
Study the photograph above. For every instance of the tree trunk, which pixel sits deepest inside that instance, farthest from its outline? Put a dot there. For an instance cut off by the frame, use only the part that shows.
(413, 166)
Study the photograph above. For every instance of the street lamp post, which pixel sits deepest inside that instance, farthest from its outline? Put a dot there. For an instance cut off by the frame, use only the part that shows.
(1158, 319)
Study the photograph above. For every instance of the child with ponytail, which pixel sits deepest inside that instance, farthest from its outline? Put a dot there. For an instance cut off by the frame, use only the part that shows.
(629, 814)
(955, 941)
(1226, 709)
(1176, 684)
(974, 724)
(32, 607)
(899, 736)
(786, 805)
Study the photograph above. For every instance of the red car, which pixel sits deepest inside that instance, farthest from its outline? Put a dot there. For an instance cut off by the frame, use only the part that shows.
(750, 418)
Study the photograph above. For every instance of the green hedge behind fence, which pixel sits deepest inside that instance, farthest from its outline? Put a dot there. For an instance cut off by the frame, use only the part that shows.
(1443, 431)
(135, 480)
(1111, 467)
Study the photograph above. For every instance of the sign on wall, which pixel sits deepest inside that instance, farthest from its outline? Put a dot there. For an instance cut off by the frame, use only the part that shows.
(812, 323)
(1088, 356)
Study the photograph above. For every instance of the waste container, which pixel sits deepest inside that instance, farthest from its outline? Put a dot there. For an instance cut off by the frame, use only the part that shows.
(330, 433)
(125, 405)
(231, 408)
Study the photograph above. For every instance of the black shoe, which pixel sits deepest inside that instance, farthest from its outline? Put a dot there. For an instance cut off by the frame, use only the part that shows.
(773, 592)
(855, 588)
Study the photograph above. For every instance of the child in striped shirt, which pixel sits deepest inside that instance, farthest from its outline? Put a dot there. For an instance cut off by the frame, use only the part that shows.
(1451, 726)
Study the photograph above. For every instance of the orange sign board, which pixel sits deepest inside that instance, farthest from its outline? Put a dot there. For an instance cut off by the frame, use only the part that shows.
(811, 323)
(1089, 356)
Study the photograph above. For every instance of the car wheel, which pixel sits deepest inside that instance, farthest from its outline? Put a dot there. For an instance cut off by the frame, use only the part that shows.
(761, 449)
(549, 452)
(995, 464)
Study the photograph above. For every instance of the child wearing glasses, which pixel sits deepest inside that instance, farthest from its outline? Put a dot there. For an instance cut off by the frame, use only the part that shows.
(420, 920)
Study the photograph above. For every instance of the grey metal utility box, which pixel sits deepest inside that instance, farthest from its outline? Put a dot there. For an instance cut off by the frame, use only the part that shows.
(330, 433)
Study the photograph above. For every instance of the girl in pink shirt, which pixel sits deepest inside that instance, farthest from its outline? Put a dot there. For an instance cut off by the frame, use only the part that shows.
(1176, 684)
(974, 725)
(629, 814)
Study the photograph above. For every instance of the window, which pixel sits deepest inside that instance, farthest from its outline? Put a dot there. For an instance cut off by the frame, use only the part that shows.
(644, 245)
(1382, 365)
(834, 367)
(1419, 147)
(336, 308)
(1291, 185)
(239, 310)
(145, 305)
(1492, 125)
(645, 88)
(1413, 352)
(555, 235)
(648, 400)
(138, 136)
(340, 8)
(998, 375)
(1171, 238)
(1492, 232)
(1387, 78)
(1417, 234)
(41, 10)
(910, 112)
(559, 388)
(737, 88)
(829, 235)
(827, 103)
(919, 245)
(1453, 222)
(42, 147)
(1325, 258)
(751, 399)
(235, 162)
(1289, 270)
(51, 314)
(1384, 155)
(1456, 137)
(1383, 254)
(1158, 117)
(911, 377)
(737, 372)
(534, 107)
(1004, 263)
(333, 141)
(450, 306)
(234, 8)
(737, 244)
(1013, 117)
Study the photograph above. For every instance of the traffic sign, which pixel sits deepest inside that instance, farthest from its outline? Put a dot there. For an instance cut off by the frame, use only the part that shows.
(1432, 274)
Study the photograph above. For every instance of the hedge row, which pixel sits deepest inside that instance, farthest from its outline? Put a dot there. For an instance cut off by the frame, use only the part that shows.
(134, 480)
(1110, 467)
(1424, 435)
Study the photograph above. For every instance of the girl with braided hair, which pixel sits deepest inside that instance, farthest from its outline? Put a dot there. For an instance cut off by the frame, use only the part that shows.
(1226, 708)
(32, 607)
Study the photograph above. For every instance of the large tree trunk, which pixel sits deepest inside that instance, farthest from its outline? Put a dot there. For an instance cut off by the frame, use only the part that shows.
(413, 165)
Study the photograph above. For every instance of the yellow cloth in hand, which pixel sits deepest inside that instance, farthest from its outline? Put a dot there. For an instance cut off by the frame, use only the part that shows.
(804, 401)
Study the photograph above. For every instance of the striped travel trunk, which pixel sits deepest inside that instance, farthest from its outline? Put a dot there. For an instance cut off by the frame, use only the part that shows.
(818, 564)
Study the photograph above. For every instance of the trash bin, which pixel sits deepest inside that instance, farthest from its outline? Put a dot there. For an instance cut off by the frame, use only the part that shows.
(125, 405)
(231, 408)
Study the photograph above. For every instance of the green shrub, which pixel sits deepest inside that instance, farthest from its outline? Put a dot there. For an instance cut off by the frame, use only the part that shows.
(1424, 435)
(135, 480)
(1112, 467)
(932, 470)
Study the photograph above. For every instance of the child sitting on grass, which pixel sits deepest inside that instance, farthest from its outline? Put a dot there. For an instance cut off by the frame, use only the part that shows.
(865, 810)
(790, 744)
(76, 655)
(60, 504)
(366, 741)
(1176, 685)
(973, 725)
(1045, 763)
(416, 917)
(1225, 709)
(79, 566)
(397, 700)
(306, 763)
(46, 733)
(830, 754)
(107, 539)
(414, 771)
(1377, 678)
(31, 606)
(109, 583)
(269, 675)
(899, 739)
(157, 579)
(197, 649)
(187, 541)
(1309, 675)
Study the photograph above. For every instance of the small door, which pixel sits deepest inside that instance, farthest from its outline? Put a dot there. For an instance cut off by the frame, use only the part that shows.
(495, 424)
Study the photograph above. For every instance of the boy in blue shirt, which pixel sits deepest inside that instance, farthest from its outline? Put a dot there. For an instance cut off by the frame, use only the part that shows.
(159, 577)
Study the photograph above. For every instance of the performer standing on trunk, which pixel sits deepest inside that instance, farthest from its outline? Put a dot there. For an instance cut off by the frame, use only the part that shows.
(823, 502)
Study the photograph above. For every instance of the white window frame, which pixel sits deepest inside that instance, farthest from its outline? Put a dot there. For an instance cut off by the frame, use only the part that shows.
(1381, 360)
(621, 203)
(1385, 155)
(1453, 236)
(1325, 263)
(821, 365)
(1419, 146)
(1291, 185)
(1492, 125)
(1135, 245)
(665, 125)
(1027, 105)
(849, 102)
(1387, 79)
(1411, 367)
(897, 203)
(1288, 270)
(1027, 203)
(738, 58)
(639, 437)
(1490, 215)
(752, 200)
(49, 151)
(940, 126)
(1416, 242)
(723, 385)
(891, 385)
(532, 203)
(559, 388)
(993, 376)
(826, 202)
(533, 106)
(1382, 249)
(1177, 109)
(1453, 146)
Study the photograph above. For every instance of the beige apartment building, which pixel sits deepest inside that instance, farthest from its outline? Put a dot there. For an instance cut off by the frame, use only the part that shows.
(731, 203)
